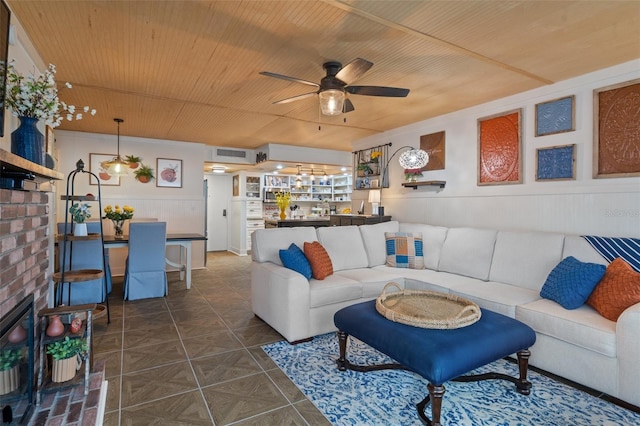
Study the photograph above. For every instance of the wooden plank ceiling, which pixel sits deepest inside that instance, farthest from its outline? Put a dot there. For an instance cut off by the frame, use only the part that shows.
(188, 70)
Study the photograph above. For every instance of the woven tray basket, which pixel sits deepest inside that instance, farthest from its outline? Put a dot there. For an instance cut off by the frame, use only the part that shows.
(426, 309)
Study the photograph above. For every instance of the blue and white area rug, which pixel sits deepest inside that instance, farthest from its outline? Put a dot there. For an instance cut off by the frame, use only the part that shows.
(389, 397)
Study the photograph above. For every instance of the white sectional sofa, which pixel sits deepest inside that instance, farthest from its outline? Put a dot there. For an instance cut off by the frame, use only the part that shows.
(499, 270)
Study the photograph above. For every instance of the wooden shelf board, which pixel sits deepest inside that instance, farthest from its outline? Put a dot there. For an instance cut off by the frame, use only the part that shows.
(415, 185)
(79, 275)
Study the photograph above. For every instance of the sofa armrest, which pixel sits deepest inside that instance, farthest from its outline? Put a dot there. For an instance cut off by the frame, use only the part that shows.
(628, 350)
(280, 297)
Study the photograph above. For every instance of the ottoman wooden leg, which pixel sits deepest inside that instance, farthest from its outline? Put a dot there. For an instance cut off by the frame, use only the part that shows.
(436, 392)
(523, 385)
(342, 361)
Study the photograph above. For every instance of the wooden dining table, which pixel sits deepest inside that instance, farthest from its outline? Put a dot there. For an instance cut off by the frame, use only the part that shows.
(183, 240)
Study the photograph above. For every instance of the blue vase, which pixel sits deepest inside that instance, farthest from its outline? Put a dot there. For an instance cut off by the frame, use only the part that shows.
(27, 141)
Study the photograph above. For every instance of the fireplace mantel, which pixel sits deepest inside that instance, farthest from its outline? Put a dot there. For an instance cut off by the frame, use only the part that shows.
(20, 170)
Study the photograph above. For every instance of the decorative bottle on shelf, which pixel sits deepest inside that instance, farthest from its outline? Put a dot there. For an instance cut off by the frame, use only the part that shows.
(56, 327)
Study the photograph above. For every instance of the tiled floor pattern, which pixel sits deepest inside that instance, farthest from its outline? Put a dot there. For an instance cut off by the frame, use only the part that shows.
(194, 357)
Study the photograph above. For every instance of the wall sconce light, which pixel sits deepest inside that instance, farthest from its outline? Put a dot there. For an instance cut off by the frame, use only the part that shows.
(299, 177)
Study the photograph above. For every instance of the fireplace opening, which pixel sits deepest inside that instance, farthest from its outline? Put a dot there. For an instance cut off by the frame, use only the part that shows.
(17, 363)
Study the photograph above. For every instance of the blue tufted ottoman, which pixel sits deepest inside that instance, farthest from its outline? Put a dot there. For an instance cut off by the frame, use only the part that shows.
(437, 355)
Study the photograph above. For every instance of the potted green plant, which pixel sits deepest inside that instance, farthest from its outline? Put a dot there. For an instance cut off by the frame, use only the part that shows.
(133, 161)
(80, 213)
(364, 169)
(9, 370)
(67, 357)
(144, 174)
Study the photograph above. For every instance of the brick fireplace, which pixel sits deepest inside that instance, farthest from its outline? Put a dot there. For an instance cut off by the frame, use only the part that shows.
(24, 248)
(24, 266)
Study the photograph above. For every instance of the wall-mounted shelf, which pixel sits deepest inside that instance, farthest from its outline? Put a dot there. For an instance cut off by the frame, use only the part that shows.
(415, 185)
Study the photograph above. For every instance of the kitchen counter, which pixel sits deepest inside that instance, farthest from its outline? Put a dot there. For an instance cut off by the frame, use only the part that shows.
(290, 223)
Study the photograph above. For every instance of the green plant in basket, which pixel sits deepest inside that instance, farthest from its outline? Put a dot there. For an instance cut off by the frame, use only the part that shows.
(144, 174)
(67, 348)
(9, 358)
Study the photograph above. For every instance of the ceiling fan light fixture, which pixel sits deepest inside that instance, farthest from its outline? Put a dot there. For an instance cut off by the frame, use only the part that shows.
(331, 101)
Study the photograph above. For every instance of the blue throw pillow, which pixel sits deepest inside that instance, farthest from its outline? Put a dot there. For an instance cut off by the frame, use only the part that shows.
(571, 282)
(294, 259)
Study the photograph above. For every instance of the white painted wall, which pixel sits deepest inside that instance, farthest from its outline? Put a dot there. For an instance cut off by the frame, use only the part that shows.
(182, 208)
(581, 206)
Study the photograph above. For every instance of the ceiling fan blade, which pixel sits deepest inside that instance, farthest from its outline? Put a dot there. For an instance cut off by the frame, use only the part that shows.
(347, 107)
(354, 70)
(392, 92)
(296, 98)
(286, 77)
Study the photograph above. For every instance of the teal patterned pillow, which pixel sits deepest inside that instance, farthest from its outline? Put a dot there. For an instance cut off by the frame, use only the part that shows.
(294, 259)
(571, 282)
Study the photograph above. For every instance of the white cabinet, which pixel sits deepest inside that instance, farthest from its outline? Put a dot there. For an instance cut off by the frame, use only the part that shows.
(247, 185)
(245, 217)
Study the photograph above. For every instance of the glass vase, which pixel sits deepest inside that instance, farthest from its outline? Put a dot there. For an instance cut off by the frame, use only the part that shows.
(118, 227)
(27, 141)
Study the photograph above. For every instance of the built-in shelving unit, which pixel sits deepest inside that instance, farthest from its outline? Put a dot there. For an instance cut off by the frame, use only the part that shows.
(333, 189)
(415, 185)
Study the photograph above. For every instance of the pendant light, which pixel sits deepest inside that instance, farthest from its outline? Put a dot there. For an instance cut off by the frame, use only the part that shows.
(117, 166)
(299, 177)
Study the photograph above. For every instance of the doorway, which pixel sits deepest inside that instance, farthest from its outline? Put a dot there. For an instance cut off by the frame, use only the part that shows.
(219, 190)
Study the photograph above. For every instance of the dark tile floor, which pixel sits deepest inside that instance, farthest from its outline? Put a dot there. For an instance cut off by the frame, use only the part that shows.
(194, 357)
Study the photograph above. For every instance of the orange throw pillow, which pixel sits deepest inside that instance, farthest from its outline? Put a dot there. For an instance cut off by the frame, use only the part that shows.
(618, 290)
(321, 266)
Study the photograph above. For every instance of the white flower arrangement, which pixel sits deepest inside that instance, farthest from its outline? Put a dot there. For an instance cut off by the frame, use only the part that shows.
(38, 97)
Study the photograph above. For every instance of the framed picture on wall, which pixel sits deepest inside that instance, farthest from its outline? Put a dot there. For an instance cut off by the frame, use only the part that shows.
(169, 173)
(96, 166)
(500, 148)
(615, 130)
(556, 116)
(556, 163)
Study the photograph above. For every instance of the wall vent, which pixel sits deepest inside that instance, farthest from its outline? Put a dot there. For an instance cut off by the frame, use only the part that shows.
(221, 152)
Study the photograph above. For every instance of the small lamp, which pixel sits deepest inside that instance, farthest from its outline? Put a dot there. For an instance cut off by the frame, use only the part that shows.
(331, 101)
(374, 199)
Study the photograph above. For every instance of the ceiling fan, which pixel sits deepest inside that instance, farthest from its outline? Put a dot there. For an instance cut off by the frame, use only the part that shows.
(334, 87)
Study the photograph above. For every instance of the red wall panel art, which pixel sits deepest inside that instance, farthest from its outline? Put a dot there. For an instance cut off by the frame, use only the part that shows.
(500, 149)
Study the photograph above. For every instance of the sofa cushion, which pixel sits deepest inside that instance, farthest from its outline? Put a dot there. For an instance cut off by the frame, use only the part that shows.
(571, 282)
(404, 250)
(525, 258)
(319, 260)
(498, 297)
(372, 280)
(294, 259)
(345, 247)
(580, 248)
(582, 327)
(468, 252)
(334, 289)
(374, 243)
(432, 240)
(267, 243)
(618, 290)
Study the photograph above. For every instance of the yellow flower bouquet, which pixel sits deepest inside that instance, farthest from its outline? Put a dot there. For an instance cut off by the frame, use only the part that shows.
(282, 200)
(118, 216)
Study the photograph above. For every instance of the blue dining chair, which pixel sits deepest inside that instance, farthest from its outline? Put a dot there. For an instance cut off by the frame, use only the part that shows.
(84, 255)
(145, 275)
